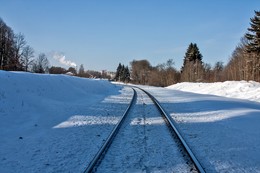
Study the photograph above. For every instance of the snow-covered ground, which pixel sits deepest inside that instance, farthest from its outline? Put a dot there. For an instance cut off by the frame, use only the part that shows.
(234, 89)
(145, 144)
(56, 123)
(223, 132)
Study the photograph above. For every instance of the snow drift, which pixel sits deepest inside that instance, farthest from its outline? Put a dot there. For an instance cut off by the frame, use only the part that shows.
(234, 89)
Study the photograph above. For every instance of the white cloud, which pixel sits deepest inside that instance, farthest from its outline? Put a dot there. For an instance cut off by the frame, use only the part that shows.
(62, 59)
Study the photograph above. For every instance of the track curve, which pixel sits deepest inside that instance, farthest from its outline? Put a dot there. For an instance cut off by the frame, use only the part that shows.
(172, 126)
(96, 160)
(146, 164)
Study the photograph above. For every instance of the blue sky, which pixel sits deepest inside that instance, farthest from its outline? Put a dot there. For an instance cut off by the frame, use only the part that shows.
(101, 33)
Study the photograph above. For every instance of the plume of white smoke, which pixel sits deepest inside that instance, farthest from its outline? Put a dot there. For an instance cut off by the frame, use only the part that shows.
(62, 59)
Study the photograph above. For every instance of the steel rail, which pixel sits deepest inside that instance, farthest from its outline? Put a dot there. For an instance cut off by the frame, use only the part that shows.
(98, 157)
(174, 128)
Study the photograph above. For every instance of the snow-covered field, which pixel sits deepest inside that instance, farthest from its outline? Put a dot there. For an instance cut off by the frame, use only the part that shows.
(56, 123)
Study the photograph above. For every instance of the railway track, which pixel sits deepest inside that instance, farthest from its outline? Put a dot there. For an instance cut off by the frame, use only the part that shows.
(138, 143)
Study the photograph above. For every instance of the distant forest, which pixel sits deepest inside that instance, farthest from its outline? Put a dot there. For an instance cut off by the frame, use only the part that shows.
(244, 63)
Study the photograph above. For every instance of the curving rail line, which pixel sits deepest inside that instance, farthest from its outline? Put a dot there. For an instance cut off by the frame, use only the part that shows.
(172, 127)
(99, 156)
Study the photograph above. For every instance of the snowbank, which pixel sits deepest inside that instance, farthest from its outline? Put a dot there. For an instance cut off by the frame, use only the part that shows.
(235, 89)
(38, 130)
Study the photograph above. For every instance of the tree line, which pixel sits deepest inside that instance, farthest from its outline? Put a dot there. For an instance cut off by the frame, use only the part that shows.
(165, 74)
(244, 64)
(16, 55)
(92, 73)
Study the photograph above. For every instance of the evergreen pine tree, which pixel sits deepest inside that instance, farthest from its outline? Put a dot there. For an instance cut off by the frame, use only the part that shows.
(253, 35)
(81, 72)
(253, 49)
(127, 74)
(118, 72)
(122, 74)
(192, 69)
(188, 53)
(193, 53)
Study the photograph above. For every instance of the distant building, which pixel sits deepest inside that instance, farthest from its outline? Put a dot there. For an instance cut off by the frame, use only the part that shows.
(70, 73)
(108, 74)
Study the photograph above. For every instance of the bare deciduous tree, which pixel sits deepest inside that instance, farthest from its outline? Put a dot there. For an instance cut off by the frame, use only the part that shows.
(41, 65)
(6, 46)
(140, 71)
(27, 57)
